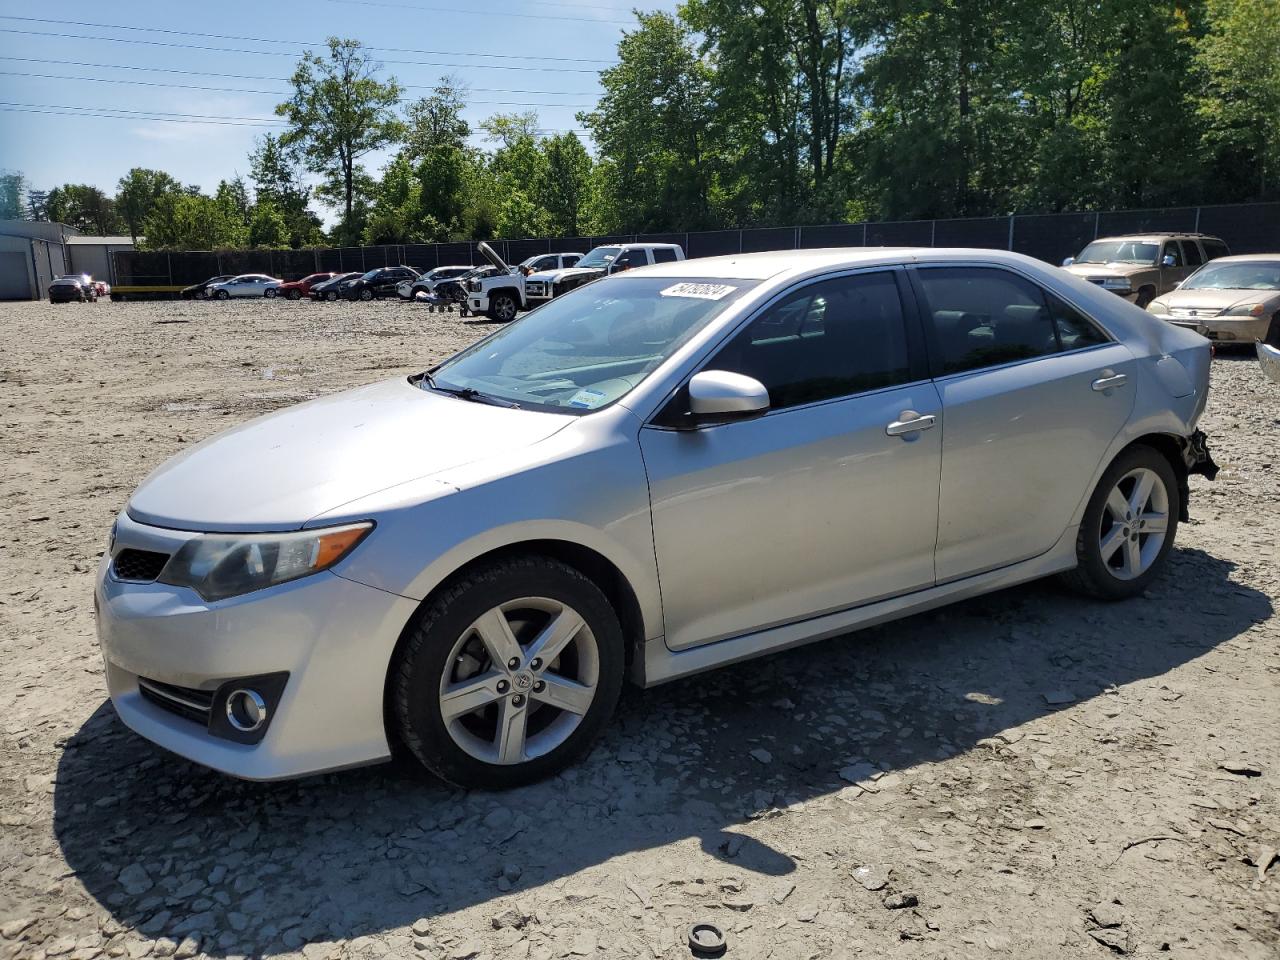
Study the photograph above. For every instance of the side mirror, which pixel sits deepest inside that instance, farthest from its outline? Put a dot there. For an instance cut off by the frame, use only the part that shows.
(718, 395)
(1069, 261)
(1167, 260)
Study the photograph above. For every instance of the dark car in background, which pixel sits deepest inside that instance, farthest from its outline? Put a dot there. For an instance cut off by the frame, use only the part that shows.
(378, 283)
(297, 289)
(328, 289)
(198, 291)
(408, 289)
(73, 287)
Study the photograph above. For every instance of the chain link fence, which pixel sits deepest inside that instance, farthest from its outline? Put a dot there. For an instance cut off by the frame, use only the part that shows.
(1246, 228)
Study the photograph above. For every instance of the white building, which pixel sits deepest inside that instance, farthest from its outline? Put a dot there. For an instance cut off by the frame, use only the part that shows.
(32, 253)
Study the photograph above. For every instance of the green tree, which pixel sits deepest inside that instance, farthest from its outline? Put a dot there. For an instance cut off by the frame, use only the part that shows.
(13, 193)
(436, 120)
(649, 128)
(563, 191)
(396, 215)
(1240, 107)
(267, 227)
(341, 111)
(137, 192)
(277, 179)
(187, 221)
(86, 208)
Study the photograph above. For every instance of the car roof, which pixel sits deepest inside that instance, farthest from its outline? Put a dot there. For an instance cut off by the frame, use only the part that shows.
(1248, 258)
(1159, 235)
(762, 266)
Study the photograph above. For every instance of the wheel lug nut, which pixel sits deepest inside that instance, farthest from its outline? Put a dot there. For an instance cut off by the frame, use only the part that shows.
(517, 701)
(502, 686)
(513, 662)
(539, 686)
(536, 663)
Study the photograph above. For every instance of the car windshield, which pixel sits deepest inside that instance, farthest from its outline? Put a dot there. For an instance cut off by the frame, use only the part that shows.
(599, 257)
(590, 347)
(1256, 275)
(1119, 251)
(372, 274)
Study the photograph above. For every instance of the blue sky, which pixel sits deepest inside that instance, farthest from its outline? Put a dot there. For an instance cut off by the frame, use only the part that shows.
(515, 55)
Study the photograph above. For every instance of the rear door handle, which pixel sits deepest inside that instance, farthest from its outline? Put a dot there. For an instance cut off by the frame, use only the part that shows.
(1108, 380)
(909, 422)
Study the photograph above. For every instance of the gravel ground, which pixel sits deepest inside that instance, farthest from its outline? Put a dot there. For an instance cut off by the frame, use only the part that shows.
(1026, 774)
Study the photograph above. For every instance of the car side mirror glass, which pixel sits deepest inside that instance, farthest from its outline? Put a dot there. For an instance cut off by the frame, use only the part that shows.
(1069, 261)
(1167, 261)
(718, 395)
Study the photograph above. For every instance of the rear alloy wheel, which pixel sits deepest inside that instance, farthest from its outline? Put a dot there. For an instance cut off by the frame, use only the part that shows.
(331, 295)
(269, 293)
(502, 307)
(1128, 527)
(509, 675)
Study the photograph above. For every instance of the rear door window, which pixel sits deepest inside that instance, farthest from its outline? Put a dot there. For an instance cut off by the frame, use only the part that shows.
(1214, 249)
(984, 317)
(1191, 253)
(663, 255)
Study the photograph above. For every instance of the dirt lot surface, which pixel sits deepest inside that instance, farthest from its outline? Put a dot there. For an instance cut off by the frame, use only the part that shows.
(1023, 775)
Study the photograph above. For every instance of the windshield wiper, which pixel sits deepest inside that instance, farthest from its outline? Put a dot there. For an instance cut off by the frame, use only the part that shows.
(469, 393)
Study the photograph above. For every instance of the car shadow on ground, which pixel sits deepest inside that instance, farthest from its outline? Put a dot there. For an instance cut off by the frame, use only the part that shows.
(264, 868)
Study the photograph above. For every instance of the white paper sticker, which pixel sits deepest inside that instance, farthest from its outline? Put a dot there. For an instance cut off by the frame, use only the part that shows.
(700, 291)
(587, 399)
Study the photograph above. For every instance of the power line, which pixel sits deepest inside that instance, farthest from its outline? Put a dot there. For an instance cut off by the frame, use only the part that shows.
(272, 93)
(251, 76)
(281, 53)
(71, 110)
(301, 43)
(482, 12)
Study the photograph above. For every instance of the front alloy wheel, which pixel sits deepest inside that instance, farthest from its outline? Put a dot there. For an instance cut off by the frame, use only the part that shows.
(502, 307)
(366, 294)
(509, 674)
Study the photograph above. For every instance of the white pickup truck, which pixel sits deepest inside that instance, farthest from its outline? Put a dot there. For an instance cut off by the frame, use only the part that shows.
(502, 296)
(612, 258)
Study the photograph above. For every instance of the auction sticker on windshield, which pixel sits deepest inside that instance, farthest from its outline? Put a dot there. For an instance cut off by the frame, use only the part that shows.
(699, 291)
(587, 399)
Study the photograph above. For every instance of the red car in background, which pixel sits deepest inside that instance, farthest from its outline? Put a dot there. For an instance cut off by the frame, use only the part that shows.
(297, 289)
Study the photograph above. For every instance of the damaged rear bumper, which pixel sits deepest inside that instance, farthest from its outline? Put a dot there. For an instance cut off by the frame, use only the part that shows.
(1196, 459)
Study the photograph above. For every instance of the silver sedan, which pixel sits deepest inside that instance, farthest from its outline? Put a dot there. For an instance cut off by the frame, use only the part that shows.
(661, 472)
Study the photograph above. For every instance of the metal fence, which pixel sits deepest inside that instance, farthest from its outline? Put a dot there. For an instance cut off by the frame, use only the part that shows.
(1246, 228)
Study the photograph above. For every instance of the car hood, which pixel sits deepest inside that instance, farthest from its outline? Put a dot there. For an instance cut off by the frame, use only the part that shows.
(565, 272)
(1216, 300)
(1105, 269)
(281, 470)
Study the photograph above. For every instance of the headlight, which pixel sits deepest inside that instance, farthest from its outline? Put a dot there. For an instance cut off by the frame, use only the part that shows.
(1117, 283)
(218, 566)
(1157, 306)
(1246, 310)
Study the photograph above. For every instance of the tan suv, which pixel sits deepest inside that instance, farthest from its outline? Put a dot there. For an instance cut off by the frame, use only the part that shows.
(1142, 266)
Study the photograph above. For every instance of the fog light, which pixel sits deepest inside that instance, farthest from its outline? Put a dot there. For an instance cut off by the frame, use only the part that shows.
(246, 710)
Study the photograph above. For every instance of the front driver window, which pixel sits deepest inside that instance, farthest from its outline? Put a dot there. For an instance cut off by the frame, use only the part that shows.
(1171, 250)
(828, 339)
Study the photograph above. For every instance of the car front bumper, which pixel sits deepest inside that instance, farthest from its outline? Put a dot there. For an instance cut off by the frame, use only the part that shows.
(332, 637)
(1228, 329)
(477, 303)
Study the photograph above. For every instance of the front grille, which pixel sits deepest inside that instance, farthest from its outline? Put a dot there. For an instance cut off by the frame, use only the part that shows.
(184, 701)
(1193, 312)
(140, 566)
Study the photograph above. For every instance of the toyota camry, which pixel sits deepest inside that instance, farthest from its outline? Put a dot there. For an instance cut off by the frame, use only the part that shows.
(667, 470)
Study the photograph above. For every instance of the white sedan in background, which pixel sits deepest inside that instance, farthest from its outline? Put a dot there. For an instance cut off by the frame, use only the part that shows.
(245, 285)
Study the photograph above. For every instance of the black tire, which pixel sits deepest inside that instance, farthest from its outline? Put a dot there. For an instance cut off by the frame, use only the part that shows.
(1145, 296)
(331, 295)
(1092, 575)
(366, 294)
(421, 660)
(270, 293)
(503, 307)
(295, 294)
(223, 295)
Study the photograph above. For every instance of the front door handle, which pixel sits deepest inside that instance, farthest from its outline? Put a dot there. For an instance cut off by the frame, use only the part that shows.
(1108, 380)
(910, 423)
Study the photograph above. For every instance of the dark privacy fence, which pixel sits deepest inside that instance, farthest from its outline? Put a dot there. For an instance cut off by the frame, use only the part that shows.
(1247, 228)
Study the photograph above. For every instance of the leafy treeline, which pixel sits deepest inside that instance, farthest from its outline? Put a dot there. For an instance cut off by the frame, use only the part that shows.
(768, 112)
